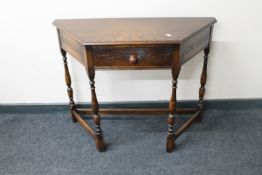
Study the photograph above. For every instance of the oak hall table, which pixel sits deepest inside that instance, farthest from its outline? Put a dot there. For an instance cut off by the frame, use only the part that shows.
(135, 43)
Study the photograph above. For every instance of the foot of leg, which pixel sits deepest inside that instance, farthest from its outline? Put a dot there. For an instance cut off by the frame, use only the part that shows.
(100, 144)
(199, 118)
(73, 117)
(170, 143)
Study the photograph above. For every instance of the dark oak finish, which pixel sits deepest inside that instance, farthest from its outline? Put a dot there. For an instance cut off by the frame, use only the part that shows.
(203, 78)
(194, 45)
(149, 56)
(68, 83)
(100, 145)
(121, 31)
(192, 34)
(135, 43)
(170, 144)
(149, 111)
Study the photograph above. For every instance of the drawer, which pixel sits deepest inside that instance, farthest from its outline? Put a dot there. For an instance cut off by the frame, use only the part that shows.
(121, 57)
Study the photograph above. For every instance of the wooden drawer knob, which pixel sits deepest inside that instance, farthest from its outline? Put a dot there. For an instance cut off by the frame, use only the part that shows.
(133, 59)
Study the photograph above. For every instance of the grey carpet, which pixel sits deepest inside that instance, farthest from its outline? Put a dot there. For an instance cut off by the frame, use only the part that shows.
(227, 142)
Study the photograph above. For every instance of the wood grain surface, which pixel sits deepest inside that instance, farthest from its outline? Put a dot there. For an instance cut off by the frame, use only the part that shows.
(112, 31)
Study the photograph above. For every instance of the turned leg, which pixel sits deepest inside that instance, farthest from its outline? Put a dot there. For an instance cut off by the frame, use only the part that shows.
(203, 82)
(170, 144)
(68, 83)
(100, 145)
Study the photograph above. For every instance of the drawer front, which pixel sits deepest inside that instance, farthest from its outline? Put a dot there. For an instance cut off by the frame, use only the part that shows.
(118, 57)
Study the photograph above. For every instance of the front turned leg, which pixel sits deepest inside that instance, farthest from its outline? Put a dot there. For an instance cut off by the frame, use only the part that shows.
(100, 145)
(170, 144)
(203, 82)
(68, 83)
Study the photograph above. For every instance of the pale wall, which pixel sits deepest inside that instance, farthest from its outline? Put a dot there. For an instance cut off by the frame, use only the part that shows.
(31, 69)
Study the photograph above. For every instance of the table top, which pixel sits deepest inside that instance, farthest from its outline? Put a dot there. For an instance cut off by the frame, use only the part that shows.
(112, 31)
